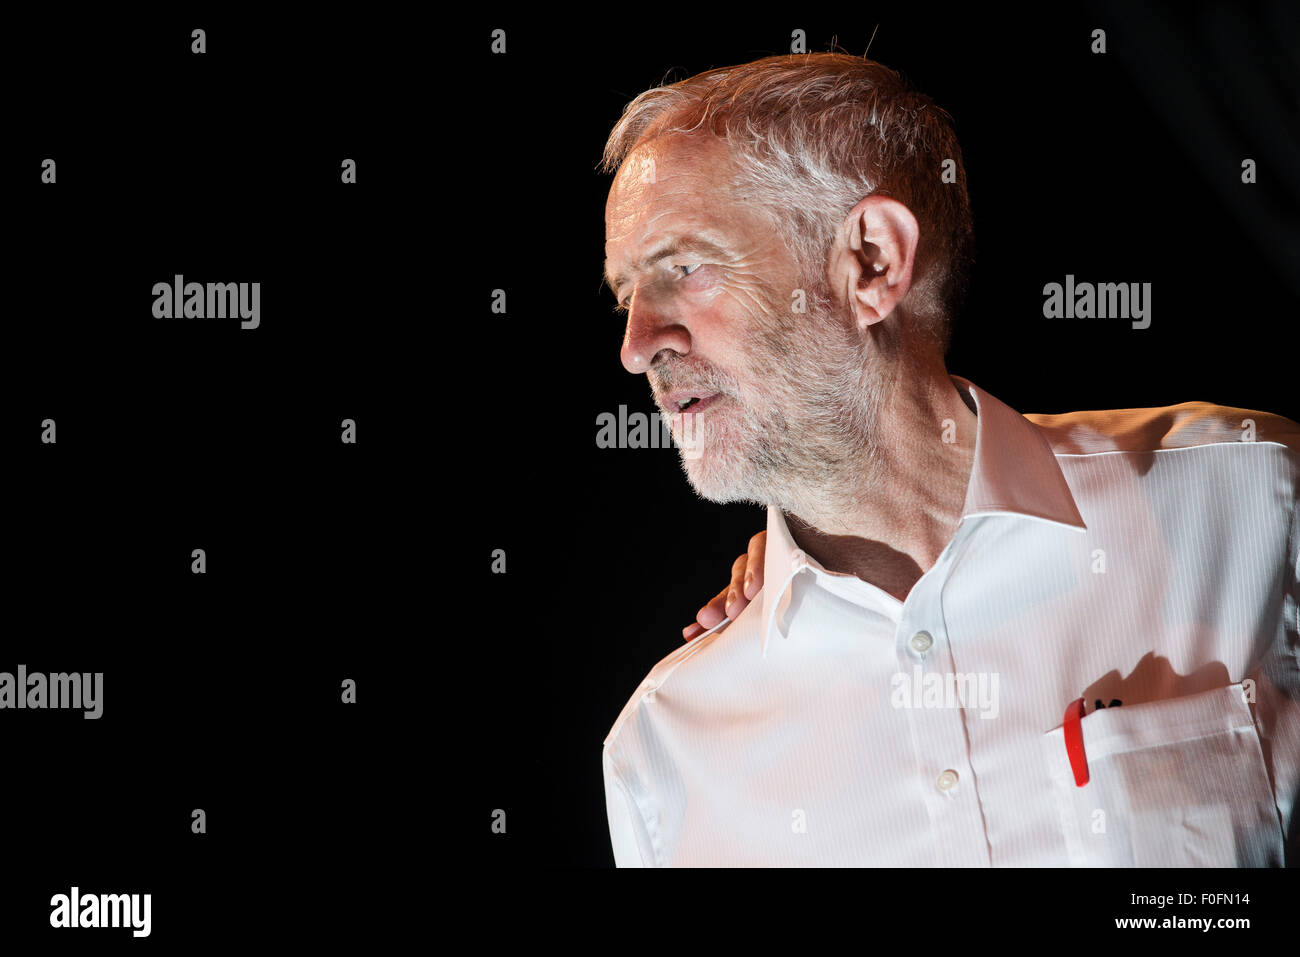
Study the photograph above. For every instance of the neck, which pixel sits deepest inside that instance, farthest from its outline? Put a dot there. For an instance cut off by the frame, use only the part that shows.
(887, 517)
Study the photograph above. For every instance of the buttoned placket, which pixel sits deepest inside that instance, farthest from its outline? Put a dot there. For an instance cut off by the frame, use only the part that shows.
(939, 738)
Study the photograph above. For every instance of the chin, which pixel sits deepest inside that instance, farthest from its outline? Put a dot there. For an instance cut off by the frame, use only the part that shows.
(718, 477)
(720, 459)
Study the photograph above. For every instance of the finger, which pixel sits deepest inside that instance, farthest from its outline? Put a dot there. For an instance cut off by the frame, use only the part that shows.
(692, 631)
(713, 613)
(754, 565)
(736, 599)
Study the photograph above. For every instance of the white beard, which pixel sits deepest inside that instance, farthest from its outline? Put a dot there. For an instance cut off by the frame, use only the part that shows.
(812, 442)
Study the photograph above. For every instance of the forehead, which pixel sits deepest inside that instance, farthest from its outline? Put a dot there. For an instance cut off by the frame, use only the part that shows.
(668, 187)
(665, 166)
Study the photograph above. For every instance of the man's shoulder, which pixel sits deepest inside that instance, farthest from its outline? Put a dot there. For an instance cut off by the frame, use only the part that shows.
(1186, 425)
(704, 668)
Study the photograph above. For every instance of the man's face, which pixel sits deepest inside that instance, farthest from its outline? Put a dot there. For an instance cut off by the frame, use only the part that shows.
(710, 290)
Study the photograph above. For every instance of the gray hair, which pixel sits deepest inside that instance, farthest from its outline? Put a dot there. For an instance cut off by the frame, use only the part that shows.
(810, 136)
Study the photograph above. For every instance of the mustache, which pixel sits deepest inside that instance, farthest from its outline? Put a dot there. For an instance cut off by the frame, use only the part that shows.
(669, 375)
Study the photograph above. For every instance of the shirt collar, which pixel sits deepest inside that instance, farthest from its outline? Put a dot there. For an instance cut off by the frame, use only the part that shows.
(1014, 472)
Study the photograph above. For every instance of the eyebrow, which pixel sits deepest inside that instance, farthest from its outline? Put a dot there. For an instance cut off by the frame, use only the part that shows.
(670, 247)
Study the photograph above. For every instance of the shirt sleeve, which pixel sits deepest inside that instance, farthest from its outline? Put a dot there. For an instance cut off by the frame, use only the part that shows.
(627, 831)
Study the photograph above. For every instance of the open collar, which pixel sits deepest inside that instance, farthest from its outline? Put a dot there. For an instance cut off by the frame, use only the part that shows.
(1014, 472)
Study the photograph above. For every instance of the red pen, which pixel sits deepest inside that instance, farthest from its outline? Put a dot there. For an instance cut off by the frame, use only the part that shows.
(1074, 742)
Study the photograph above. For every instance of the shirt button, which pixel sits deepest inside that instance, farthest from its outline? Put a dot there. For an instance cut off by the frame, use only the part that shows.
(921, 642)
(796, 559)
(947, 781)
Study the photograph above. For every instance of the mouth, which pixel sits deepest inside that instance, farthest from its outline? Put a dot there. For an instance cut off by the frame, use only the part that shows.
(685, 402)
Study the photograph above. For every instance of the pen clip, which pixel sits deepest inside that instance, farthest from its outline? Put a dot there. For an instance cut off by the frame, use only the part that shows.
(1074, 742)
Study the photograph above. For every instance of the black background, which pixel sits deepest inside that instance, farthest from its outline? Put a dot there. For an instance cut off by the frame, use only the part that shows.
(221, 691)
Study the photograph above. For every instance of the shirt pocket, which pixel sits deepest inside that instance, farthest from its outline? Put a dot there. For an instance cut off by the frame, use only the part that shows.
(1174, 783)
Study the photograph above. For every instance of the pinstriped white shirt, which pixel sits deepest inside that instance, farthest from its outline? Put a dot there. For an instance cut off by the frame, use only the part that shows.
(1146, 561)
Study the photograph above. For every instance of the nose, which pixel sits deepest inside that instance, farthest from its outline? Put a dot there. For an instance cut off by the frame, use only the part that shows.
(650, 331)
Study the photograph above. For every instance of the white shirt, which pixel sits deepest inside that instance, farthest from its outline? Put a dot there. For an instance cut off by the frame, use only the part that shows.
(1145, 556)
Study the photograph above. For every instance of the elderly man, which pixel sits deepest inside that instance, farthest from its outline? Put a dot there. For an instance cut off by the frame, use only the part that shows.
(984, 638)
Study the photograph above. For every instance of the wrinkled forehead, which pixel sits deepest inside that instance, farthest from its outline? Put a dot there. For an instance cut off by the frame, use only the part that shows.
(666, 178)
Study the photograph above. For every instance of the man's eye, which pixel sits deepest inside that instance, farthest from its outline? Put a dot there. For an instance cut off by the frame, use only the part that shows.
(686, 270)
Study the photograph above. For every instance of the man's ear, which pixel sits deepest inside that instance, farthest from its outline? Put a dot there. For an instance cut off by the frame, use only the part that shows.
(871, 262)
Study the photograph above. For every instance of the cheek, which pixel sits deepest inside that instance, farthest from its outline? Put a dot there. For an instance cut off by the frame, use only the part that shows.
(724, 341)
(738, 292)
(754, 296)
(738, 325)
